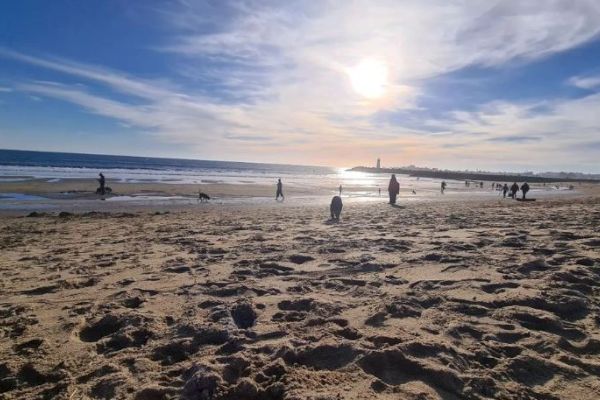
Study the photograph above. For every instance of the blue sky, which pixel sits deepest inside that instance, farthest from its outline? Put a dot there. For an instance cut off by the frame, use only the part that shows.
(505, 85)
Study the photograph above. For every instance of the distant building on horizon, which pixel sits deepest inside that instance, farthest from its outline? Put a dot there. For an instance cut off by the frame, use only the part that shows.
(378, 163)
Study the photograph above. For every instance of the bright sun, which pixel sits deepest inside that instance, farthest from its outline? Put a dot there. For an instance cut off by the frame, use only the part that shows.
(369, 78)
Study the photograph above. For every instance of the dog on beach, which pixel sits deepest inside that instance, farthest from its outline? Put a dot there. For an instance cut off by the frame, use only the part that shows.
(203, 197)
(336, 207)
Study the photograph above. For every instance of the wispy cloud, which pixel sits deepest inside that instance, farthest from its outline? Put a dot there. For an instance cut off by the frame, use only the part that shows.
(419, 38)
(517, 132)
(271, 78)
(515, 139)
(585, 82)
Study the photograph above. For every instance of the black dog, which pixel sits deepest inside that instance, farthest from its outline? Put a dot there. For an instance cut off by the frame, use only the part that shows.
(336, 207)
(203, 197)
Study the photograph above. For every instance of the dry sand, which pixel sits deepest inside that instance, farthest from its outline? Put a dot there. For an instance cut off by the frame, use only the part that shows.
(445, 300)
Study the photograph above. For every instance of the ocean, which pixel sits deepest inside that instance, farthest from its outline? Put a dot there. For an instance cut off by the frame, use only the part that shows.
(318, 183)
(19, 165)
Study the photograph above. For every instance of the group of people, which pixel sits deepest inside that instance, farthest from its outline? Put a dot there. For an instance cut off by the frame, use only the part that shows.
(394, 189)
(513, 190)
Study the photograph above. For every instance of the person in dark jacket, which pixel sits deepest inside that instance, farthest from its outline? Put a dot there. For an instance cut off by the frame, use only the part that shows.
(524, 189)
(505, 190)
(393, 189)
(102, 183)
(513, 190)
(279, 190)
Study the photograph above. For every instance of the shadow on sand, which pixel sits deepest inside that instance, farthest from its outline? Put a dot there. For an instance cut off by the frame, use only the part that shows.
(397, 206)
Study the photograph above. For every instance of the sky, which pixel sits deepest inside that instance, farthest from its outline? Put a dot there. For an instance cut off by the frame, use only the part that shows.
(471, 84)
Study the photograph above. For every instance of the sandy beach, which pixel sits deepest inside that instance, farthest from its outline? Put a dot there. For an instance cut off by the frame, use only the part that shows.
(438, 300)
(172, 175)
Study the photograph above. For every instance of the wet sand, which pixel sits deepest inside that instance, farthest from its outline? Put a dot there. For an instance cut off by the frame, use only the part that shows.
(85, 188)
(432, 300)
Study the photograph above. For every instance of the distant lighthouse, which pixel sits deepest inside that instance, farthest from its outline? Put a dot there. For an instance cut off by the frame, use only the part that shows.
(378, 163)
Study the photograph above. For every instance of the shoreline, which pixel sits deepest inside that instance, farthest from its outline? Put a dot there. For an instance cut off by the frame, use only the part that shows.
(57, 192)
(135, 205)
(165, 197)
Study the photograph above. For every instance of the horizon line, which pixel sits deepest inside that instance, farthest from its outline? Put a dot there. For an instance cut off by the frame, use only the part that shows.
(412, 166)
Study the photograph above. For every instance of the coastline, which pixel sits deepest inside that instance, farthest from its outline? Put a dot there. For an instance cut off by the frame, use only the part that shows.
(78, 195)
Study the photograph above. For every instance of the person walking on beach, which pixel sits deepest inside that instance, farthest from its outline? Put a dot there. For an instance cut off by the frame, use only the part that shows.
(443, 186)
(393, 189)
(279, 190)
(524, 189)
(514, 189)
(379, 189)
(340, 190)
(102, 183)
(505, 190)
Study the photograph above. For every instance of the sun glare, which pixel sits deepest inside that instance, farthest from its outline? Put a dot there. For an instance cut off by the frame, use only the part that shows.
(369, 78)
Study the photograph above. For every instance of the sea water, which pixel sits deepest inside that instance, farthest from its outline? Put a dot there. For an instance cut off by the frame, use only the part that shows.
(18, 165)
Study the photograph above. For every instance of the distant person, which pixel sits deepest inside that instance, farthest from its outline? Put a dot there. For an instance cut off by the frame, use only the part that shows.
(513, 190)
(524, 189)
(443, 186)
(505, 190)
(481, 184)
(340, 188)
(279, 190)
(393, 189)
(335, 208)
(102, 182)
(379, 190)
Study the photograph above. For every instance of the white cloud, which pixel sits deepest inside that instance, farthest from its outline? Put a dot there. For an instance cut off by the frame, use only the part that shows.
(418, 38)
(585, 82)
(283, 91)
(525, 135)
